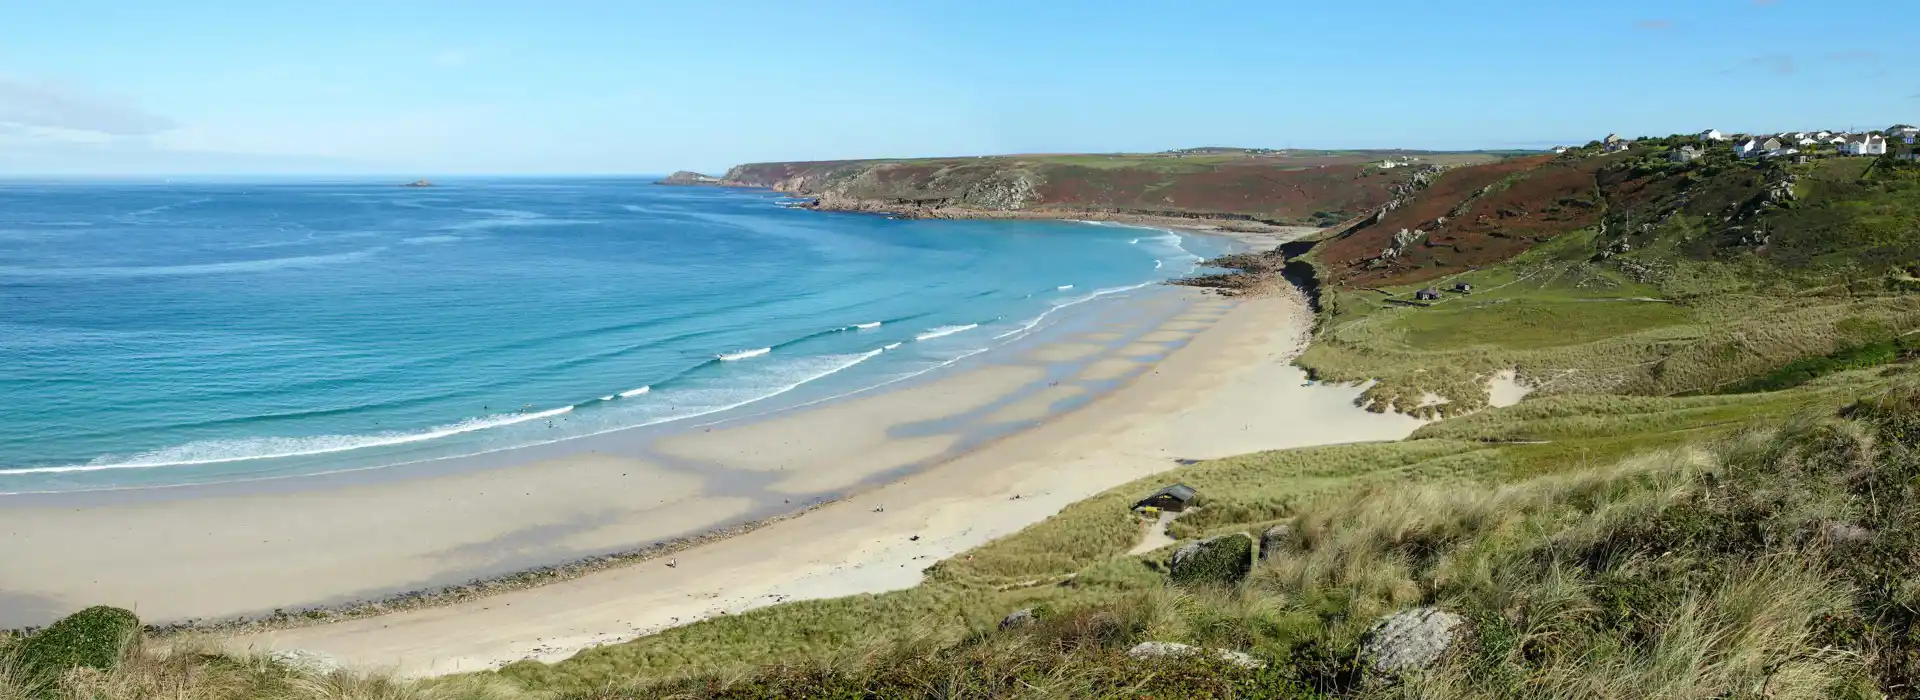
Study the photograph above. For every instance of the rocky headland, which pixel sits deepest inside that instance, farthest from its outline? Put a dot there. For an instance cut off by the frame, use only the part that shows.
(1237, 190)
(688, 177)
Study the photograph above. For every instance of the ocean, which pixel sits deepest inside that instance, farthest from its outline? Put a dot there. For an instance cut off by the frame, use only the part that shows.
(167, 333)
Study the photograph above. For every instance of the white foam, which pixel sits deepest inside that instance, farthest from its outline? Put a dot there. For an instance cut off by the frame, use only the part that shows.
(185, 270)
(221, 451)
(1035, 321)
(1064, 287)
(630, 393)
(1156, 264)
(864, 326)
(945, 331)
(743, 354)
(891, 346)
(1135, 241)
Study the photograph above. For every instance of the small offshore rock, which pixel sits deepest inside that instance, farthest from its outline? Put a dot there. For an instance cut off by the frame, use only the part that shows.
(1018, 618)
(1410, 640)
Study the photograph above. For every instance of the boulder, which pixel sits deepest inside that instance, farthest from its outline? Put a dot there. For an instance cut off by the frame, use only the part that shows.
(1019, 618)
(1275, 541)
(1157, 650)
(95, 638)
(308, 661)
(1410, 640)
(1222, 560)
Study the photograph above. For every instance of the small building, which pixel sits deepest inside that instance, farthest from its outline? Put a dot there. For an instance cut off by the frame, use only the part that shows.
(1823, 135)
(1463, 287)
(1806, 141)
(1866, 145)
(1683, 154)
(1903, 130)
(1712, 135)
(1772, 144)
(1173, 499)
(1746, 148)
(1428, 294)
(1560, 149)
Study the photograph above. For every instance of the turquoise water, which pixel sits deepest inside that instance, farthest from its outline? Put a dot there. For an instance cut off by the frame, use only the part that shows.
(158, 334)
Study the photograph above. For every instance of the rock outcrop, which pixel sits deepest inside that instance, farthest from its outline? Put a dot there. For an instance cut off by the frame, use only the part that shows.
(1277, 540)
(309, 661)
(1158, 650)
(1410, 640)
(418, 183)
(1216, 561)
(1019, 618)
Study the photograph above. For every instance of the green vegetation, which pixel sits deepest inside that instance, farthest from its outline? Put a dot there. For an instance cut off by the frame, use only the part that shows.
(1711, 493)
(1222, 560)
(95, 638)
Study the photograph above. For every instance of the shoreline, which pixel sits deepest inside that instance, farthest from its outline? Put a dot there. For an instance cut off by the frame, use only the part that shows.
(44, 525)
(855, 544)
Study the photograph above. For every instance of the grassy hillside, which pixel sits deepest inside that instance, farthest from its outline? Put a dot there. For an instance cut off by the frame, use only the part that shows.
(1711, 494)
(1294, 187)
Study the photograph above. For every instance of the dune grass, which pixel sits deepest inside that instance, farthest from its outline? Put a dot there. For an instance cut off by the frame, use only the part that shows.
(1623, 547)
(1753, 564)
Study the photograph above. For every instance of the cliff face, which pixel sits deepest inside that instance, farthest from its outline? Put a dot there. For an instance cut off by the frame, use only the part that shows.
(1316, 190)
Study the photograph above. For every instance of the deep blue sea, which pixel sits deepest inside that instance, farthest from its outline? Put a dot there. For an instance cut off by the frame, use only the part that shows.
(164, 333)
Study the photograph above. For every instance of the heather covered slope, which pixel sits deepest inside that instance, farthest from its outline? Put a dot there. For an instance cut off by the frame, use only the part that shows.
(1650, 217)
(1622, 274)
(1290, 188)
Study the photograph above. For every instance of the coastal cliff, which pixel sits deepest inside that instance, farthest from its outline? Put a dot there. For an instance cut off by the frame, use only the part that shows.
(1228, 187)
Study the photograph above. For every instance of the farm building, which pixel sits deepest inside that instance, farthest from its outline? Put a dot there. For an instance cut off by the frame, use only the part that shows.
(1428, 294)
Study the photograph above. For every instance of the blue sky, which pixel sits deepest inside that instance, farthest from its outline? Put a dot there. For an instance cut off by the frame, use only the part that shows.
(431, 87)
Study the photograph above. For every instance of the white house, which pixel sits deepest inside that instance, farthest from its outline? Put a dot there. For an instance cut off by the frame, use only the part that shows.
(1823, 134)
(1867, 145)
(1805, 141)
(1559, 149)
(1903, 130)
(1712, 135)
(1745, 148)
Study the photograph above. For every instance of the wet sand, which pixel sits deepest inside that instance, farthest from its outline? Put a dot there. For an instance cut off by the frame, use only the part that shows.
(1222, 387)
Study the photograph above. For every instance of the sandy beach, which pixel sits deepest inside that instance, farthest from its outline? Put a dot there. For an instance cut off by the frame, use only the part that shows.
(1230, 390)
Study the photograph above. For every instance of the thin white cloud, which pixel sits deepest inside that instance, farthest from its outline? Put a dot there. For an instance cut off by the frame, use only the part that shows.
(452, 58)
(49, 105)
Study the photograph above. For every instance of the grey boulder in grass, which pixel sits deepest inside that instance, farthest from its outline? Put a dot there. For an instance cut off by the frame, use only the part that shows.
(1222, 561)
(1410, 640)
(93, 638)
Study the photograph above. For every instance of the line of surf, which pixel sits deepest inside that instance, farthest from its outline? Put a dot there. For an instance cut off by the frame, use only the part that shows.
(1035, 321)
(944, 331)
(743, 354)
(293, 447)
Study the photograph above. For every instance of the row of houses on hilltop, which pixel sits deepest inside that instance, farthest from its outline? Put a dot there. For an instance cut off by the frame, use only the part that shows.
(1899, 138)
(1792, 143)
